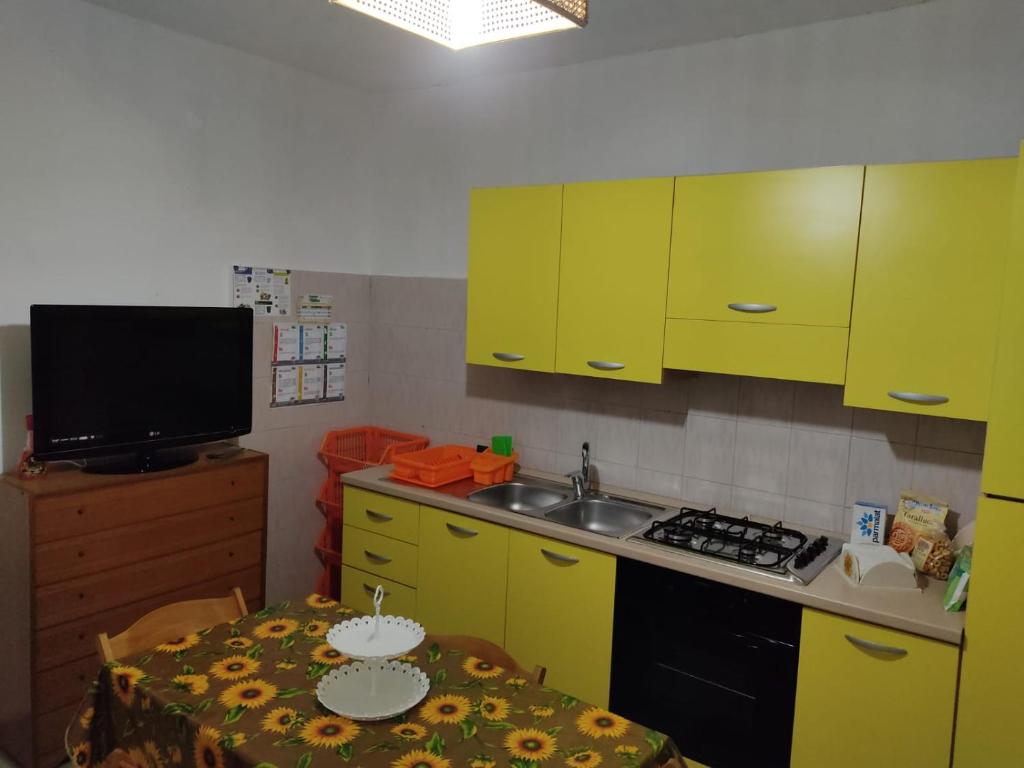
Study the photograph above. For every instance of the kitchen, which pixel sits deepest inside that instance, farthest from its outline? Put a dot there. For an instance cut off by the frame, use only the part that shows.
(791, 437)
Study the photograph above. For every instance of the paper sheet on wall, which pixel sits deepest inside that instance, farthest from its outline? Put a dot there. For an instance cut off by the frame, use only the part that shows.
(286, 343)
(337, 341)
(311, 382)
(315, 308)
(335, 381)
(266, 289)
(314, 342)
(285, 385)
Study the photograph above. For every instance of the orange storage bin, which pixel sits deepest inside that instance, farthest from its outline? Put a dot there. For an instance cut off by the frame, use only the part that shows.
(435, 466)
(330, 499)
(490, 468)
(346, 450)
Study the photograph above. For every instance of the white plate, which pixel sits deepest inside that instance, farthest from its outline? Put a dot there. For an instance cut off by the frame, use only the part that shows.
(357, 638)
(372, 690)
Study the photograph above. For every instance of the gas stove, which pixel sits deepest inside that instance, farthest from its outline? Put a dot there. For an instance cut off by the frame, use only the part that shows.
(761, 547)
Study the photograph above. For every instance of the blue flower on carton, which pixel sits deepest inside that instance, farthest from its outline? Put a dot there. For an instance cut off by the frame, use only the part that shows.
(866, 523)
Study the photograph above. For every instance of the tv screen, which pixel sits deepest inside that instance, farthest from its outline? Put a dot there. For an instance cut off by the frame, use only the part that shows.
(115, 380)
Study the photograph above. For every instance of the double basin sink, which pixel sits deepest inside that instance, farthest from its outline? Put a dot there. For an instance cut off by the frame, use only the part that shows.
(595, 512)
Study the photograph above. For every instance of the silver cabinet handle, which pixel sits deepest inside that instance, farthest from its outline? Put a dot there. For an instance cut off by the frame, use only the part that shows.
(754, 308)
(370, 590)
(375, 557)
(559, 558)
(458, 529)
(867, 645)
(508, 357)
(379, 516)
(601, 365)
(918, 398)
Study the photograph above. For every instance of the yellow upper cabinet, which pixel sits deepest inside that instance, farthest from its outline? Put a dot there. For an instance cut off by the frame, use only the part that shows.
(512, 299)
(773, 247)
(613, 278)
(1003, 471)
(933, 244)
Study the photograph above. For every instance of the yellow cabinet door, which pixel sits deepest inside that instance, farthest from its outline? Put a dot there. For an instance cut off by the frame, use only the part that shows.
(990, 707)
(868, 696)
(463, 572)
(771, 247)
(1003, 470)
(512, 294)
(386, 515)
(613, 278)
(560, 606)
(380, 555)
(358, 587)
(933, 244)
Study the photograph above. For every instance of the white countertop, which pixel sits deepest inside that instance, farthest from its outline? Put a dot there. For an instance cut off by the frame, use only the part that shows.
(918, 612)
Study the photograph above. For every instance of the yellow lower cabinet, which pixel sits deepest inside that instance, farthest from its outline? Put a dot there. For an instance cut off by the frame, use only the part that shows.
(868, 696)
(463, 572)
(991, 706)
(386, 515)
(560, 606)
(357, 588)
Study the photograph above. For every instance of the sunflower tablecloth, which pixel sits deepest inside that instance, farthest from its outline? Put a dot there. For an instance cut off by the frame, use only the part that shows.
(244, 694)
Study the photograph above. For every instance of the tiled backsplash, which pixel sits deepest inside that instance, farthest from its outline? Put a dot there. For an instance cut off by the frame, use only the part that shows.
(750, 446)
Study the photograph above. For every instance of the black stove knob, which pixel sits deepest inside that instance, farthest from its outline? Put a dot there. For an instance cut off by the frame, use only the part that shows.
(800, 560)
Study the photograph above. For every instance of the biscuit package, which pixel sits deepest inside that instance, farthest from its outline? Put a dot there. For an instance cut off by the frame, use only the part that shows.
(919, 529)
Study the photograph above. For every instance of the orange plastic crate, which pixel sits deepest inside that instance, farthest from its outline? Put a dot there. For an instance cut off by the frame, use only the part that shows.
(330, 499)
(490, 468)
(328, 544)
(346, 450)
(435, 466)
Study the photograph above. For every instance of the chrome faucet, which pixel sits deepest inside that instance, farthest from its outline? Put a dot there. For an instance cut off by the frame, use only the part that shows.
(581, 477)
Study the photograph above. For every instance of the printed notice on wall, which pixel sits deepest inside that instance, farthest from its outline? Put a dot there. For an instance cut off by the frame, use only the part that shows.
(297, 363)
(268, 291)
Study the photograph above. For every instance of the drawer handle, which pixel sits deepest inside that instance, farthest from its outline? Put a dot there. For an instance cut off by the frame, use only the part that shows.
(756, 309)
(867, 645)
(379, 516)
(919, 398)
(375, 557)
(558, 558)
(508, 357)
(370, 590)
(459, 530)
(603, 365)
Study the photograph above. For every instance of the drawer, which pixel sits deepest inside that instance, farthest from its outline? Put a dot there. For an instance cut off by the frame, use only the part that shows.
(357, 589)
(380, 555)
(73, 515)
(76, 639)
(848, 666)
(67, 684)
(49, 732)
(397, 518)
(70, 600)
(70, 558)
(794, 352)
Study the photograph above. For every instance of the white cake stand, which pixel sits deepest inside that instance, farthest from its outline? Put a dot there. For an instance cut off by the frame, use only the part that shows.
(374, 688)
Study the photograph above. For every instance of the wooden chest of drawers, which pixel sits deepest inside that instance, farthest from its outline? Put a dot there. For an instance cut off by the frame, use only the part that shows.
(82, 554)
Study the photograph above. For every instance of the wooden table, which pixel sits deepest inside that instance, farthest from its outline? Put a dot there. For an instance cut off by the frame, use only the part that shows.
(243, 694)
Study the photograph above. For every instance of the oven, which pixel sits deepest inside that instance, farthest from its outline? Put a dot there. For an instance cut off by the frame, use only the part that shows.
(711, 665)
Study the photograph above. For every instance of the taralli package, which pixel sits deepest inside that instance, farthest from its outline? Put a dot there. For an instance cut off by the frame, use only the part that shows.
(919, 529)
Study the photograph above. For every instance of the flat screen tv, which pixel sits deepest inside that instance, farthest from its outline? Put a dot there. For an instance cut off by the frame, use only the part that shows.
(128, 387)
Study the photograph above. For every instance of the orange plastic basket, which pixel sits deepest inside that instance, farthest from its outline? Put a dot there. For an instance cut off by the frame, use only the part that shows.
(328, 544)
(346, 450)
(330, 499)
(435, 466)
(490, 468)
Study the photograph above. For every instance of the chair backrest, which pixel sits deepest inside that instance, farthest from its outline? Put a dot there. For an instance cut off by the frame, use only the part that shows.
(169, 622)
(489, 652)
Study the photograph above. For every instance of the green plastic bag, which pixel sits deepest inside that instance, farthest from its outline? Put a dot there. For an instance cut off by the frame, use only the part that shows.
(956, 587)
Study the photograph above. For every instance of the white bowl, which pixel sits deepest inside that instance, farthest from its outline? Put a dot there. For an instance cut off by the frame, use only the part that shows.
(359, 639)
(372, 690)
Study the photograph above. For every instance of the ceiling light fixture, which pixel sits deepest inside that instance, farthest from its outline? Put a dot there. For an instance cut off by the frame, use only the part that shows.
(461, 24)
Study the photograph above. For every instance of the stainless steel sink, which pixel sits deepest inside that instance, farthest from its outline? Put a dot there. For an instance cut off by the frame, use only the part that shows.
(518, 497)
(610, 517)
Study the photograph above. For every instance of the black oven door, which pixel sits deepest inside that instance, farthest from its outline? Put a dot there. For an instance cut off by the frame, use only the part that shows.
(712, 666)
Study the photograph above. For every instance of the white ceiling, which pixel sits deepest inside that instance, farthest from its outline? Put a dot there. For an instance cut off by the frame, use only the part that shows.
(348, 47)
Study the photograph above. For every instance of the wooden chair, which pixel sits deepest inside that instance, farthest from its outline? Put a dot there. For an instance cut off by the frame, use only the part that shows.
(171, 621)
(489, 652)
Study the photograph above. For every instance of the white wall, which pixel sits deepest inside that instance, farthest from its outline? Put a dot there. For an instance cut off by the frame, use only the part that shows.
(941, 80)
(138, 164)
